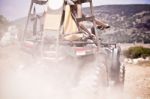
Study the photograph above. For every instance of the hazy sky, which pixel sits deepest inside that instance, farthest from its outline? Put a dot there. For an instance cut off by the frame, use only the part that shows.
(14, 9)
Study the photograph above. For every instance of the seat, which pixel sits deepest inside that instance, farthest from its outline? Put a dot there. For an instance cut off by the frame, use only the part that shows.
(72, 28)
(52, 21)
(51, 27)
(74, 19)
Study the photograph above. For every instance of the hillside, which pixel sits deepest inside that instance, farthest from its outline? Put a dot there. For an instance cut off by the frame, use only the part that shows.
(4, 23)
(129, 23)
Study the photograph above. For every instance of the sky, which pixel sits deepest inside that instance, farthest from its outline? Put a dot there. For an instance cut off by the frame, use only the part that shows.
(14, 9)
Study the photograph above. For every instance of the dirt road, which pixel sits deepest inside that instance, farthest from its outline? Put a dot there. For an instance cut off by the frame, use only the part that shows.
(21, 75)
(137, 82)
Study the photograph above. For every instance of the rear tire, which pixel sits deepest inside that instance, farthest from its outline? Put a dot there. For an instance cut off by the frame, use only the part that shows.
(116, 70)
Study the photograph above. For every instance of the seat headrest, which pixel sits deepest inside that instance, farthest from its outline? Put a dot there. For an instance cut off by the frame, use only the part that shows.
(55, 4)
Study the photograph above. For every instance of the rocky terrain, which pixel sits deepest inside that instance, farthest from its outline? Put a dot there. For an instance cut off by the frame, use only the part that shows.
(129, 23)
(4, 23)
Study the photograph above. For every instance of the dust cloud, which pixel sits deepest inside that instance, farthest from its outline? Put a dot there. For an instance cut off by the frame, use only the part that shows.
(22, 76)
(25, 78)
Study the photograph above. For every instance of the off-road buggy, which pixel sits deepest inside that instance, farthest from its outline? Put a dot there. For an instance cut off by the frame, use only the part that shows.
(66, 29)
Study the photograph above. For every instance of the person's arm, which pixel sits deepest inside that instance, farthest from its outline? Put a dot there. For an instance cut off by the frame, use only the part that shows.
(101, 25)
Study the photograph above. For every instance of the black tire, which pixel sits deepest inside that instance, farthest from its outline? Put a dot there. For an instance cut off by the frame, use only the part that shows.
(116, 70)
(115, 65)
(92, 77)
(122, 76)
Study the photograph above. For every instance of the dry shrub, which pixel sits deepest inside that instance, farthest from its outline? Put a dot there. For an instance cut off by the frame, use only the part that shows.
(137, 52)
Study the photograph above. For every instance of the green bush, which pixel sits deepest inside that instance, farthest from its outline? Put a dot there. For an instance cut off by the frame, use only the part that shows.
(137, 52)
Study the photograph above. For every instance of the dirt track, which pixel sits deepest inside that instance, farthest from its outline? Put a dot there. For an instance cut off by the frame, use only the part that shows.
(13, 60)
(137, 83)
